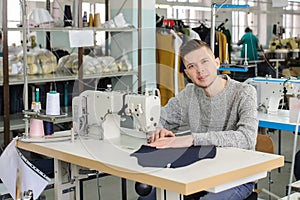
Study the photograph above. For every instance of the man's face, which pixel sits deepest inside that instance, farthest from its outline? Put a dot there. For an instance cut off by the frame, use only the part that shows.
(201, 67)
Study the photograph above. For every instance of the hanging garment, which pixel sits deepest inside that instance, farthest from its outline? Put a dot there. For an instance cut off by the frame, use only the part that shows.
(222, 41)
(165, 59)
(193, 35)
(229, 42)
(204, 32)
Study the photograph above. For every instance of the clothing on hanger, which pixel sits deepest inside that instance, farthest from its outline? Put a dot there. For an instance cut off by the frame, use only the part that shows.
(221, 40)
(203, 31)
(159, 20)
(165, 59)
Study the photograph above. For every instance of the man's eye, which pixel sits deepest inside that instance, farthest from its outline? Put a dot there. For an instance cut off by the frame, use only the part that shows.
(204, 61)
(190, 66)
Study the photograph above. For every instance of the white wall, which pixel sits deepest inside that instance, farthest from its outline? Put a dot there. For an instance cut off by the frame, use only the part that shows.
(148, 41)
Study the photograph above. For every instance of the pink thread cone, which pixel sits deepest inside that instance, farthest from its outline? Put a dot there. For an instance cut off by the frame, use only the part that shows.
(36, 128)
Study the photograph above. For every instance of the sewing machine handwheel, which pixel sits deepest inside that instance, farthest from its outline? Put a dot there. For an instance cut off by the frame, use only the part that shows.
(142, 189)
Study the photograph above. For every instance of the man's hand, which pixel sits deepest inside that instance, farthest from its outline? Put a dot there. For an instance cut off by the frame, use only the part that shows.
(160, 133)
(173, 142)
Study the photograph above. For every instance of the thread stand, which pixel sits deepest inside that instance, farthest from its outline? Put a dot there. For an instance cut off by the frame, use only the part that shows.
(40, 115)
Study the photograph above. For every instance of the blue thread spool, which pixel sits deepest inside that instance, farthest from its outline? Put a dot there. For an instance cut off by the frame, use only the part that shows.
(66, 96)
(48, 128)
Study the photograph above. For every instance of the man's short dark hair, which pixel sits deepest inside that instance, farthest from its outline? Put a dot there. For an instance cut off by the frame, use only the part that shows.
(192, 45)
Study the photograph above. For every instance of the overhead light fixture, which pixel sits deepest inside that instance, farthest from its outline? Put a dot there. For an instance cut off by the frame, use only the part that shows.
(162, 6)
(193, 8)
(198, 8)
(280, 3)
(39, 1)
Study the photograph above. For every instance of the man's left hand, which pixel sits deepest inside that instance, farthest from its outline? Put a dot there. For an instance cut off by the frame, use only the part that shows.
(173, 142)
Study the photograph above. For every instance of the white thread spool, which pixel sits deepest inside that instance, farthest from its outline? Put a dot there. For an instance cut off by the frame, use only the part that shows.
(53, 103)
(246, 56)
(36, 128)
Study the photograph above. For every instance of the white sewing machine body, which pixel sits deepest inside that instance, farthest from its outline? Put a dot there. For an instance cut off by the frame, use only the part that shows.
(270, 91)
(100, 112)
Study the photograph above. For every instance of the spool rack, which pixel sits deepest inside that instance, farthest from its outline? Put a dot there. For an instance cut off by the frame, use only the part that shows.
(28, 114)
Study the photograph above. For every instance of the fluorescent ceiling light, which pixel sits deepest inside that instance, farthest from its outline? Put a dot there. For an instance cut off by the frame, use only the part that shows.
(162, 6)
(193, 8)
(38, 0)
(199, 8)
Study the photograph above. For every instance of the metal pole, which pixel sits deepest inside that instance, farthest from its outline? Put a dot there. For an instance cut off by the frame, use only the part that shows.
(212, 28)
(6, 99)
(25, 90)
(48, 34)
(139, 47)
(80, 49)
(107, 34)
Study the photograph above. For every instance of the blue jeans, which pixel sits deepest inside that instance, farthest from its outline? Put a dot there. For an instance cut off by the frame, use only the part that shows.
(237, 193)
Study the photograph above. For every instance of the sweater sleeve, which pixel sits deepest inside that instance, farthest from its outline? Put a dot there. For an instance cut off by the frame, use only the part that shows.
(173, 114)
(245, 133)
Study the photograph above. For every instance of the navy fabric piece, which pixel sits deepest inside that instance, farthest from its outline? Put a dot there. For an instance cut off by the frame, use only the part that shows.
(172, 157)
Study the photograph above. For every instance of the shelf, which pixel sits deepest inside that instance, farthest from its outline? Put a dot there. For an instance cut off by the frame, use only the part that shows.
(15, 124)
(19, 79)
(63, 29)
(18, 122)
(110, 74)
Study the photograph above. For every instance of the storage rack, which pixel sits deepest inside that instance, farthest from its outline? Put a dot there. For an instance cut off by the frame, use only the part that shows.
(14, 124)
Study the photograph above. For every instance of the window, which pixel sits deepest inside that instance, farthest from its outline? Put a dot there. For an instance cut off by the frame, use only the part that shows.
(291, 20)
(14, 17)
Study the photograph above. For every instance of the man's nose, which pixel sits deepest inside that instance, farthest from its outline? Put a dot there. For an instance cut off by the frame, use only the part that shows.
(199, 68)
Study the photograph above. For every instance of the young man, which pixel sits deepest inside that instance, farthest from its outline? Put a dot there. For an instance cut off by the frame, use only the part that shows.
(218, 110)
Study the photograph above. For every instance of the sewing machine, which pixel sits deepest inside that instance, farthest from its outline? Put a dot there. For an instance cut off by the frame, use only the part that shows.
(288, 43)
(99, 113)
(271, 91)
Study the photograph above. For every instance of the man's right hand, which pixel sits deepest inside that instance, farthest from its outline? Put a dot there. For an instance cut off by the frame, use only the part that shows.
(160, 133)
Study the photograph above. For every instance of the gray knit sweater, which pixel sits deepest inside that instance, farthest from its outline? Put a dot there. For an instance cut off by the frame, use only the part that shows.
(228, 119)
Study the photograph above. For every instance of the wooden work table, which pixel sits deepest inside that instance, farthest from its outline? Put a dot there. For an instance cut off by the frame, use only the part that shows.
(230, 167)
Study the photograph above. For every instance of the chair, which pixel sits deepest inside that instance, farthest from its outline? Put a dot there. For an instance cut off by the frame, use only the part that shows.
(295, 186)
(264, 143)
(297, 166)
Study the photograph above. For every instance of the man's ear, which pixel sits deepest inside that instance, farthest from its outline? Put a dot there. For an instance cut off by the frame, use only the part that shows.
(217, 60)
(187, 73)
